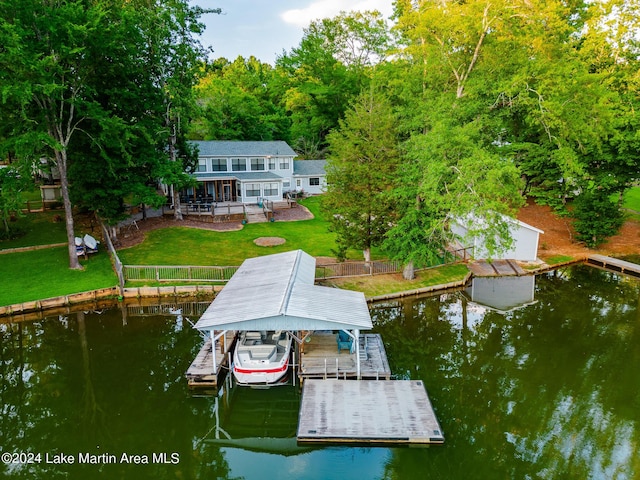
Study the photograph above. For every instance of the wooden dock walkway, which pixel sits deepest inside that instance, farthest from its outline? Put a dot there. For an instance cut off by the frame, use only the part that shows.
(200, 373)
(376, 412)
(495, 268)
(319, 358)
(614, 264)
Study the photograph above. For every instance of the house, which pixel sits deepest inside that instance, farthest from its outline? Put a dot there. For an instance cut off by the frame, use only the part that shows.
(525, 239)
(250, 172)
(309, 176)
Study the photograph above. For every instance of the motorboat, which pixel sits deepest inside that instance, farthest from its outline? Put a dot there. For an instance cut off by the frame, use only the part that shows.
(261, 358)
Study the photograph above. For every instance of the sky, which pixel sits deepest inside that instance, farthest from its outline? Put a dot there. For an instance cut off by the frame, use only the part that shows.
(266, 28)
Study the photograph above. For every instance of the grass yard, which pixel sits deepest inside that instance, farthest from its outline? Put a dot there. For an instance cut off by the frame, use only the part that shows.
(384, 284)
(45, 273)
(39, 228)
(632, 199)
(191, 246)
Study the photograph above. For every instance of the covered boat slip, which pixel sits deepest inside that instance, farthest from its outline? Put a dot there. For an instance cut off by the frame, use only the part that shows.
(320, 358)
(201, 372)
(277, 292)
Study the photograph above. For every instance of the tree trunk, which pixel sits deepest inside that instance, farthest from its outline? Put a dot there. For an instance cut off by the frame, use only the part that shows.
(61, 161)
(177, 207)
(367, 257)
(409, 272)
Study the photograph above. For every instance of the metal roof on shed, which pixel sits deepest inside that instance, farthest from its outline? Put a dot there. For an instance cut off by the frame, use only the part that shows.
(277, 292)
(229, 148)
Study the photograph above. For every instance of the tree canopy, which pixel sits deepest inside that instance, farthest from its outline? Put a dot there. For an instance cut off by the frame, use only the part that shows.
(95, 85)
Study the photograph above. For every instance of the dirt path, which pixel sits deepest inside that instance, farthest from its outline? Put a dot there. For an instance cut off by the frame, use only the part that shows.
(559, 237)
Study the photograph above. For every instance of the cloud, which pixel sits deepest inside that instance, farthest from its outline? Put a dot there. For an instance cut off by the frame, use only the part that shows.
(319, 9)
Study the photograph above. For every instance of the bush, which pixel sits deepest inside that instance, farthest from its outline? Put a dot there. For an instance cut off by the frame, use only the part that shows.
(596, 218)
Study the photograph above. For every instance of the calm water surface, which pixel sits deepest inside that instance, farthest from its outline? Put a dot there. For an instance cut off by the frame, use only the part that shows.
(529, 380)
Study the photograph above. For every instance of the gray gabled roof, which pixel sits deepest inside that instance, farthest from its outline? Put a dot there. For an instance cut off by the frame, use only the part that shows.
(277, 292)
(230, 148)
(309, 167)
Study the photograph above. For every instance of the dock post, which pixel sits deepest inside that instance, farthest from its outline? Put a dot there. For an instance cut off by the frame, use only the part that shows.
(337, 373)
(357, 342)
(213, 351)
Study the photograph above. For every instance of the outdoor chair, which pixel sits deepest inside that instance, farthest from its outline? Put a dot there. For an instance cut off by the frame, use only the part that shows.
(344, 341)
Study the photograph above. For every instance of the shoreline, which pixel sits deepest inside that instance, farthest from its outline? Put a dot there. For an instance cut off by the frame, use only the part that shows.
(111, 295)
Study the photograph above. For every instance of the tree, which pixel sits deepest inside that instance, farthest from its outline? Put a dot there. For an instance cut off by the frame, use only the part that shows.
(13, 180)
(321, 77)
(360, 173)
(238, 102)
(597, 217)
(447, 176)
(94, 68)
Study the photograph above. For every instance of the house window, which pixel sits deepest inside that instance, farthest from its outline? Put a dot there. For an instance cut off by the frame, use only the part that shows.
(314, 181)
(202, 165)
(257, 164)
(284, 164)
(272, 163)
(297, 182)
(238, 164)
(270, 189)
(219, 164)
(286, 184)
(253, 189)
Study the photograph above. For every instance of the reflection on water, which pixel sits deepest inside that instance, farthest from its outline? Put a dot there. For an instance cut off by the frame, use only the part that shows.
(547, 390)
(502, 293)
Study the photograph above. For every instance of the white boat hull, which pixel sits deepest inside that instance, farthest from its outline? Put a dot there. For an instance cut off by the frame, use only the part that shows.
(261, 358)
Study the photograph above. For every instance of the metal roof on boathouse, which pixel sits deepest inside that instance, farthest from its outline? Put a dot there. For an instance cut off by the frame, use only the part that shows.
(277, 292)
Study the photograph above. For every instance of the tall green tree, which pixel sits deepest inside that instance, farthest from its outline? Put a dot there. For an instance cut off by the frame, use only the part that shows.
(447, 176)
(321, 77)
(360, 173)
(100, 69)
(239, 102)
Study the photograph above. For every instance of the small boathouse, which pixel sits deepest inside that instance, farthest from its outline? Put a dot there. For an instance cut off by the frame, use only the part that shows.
(278, 292)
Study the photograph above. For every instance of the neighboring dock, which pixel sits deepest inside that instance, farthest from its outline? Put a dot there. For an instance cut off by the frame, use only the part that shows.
(377, 412)
(614, 264)
(320, 358)
(200, 373)
(495, 268)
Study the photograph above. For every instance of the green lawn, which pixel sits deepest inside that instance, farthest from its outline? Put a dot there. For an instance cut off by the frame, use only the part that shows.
(385, 284)
(45, 273)
(39, 228)
(632, 199)
(190, 246)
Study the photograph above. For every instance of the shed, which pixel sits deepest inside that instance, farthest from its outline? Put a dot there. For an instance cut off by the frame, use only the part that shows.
(525, 238)
(277, 292)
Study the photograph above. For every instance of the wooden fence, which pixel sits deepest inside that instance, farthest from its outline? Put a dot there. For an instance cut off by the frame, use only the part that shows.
(169, 273)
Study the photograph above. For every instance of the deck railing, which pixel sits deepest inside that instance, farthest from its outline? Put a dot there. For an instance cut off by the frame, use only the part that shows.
(355, 269)
(167, 273)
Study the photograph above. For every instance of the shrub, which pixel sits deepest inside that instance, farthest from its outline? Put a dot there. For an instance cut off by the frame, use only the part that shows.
(596, 218)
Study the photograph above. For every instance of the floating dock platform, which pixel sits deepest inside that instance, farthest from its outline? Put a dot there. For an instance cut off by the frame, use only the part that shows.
(200, 373)
(367, 412)
(320, 358)
(614, 264)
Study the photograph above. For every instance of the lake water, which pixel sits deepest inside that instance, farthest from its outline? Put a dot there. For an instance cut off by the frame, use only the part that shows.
(532, 379)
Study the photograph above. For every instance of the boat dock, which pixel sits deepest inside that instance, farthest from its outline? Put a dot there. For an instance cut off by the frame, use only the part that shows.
(495, 268)
(200, 373)
(614, 264)
(319, 357)
(375, 412)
